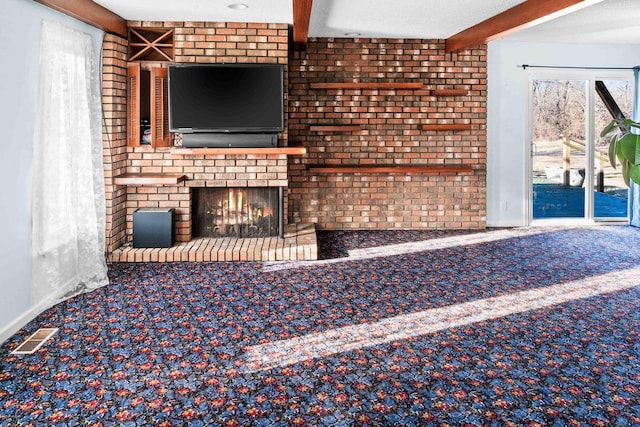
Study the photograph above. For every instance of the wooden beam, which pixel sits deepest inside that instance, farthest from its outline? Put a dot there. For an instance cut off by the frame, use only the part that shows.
(301, 18)
(525, 15)
(91, 13)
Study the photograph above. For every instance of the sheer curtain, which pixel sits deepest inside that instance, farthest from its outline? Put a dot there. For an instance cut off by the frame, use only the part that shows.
(68, 204)
(634, 189)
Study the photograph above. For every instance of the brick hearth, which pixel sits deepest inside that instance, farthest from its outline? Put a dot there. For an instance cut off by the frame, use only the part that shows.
(299, 244)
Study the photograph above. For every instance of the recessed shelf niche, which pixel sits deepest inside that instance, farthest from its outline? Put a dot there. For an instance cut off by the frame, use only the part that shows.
(151, 44)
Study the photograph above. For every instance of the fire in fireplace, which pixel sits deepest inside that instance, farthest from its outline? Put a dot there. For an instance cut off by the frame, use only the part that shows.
(237, 212)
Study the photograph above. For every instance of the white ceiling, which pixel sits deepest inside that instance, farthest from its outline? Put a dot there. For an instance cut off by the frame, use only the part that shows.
(611, 21)
(277, 11)
(424, 19)
(608, 22)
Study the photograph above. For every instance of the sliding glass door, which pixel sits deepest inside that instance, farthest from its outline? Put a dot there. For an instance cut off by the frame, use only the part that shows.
(611, 193)
(558, 149)
(571, 177)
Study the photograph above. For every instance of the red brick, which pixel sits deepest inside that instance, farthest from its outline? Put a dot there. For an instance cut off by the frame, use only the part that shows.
(392, 135)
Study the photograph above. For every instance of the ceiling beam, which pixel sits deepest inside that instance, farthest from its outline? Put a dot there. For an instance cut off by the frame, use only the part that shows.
(91, 13)
(525, 15)
(301, 18)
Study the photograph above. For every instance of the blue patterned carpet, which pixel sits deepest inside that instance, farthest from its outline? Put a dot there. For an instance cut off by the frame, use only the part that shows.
(535, 327)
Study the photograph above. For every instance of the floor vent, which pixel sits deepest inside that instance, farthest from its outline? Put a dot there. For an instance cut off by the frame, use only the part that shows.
(35, 341)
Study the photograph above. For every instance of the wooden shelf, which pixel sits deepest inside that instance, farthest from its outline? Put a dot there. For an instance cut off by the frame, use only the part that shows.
(368, 169)
(449, 92)
(367, 85)
(335, 128)
(293, 151)
(450, 126)
(388, 85)
(148, 179)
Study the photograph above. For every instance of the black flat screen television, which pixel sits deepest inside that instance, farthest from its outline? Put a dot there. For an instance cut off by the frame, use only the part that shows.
(226, 98)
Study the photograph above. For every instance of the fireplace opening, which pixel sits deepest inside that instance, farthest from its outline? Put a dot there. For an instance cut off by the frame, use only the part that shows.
(237, 212)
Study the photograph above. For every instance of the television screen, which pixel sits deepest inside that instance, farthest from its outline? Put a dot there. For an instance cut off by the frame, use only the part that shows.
(226, 98)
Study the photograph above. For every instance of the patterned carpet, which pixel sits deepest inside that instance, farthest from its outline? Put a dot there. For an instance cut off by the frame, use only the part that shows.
(531, 327)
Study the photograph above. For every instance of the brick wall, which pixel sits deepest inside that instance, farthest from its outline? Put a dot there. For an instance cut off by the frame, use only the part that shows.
(114, 138)
(390, 135)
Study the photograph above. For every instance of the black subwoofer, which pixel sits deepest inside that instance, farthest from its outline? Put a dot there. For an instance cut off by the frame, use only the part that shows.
(153, 228)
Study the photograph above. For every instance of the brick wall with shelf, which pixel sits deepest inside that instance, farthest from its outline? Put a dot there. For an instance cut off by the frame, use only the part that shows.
(448, 89)
(364, 126)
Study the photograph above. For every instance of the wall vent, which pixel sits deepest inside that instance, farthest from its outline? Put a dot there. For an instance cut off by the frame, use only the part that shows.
(35, 341)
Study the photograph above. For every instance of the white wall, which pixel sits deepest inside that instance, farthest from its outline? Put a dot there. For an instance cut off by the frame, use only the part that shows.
(507, 139)
(19, 49)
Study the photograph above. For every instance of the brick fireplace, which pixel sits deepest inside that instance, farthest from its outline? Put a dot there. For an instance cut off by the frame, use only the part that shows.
(241, 177)
(202, 171)
(242, 174)
(195, 170)
(238, 212)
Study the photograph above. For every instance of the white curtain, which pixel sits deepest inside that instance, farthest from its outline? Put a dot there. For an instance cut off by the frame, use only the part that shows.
(68, 203)
(634, 189)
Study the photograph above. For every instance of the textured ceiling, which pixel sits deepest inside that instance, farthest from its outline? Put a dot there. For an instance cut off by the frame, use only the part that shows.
(278, 11)
(427, 19)
(611, 21)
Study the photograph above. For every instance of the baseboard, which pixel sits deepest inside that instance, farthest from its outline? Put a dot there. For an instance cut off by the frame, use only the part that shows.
(8, 331)
(67, 291)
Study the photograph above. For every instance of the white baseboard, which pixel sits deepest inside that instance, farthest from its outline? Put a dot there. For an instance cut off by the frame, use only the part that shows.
(67, 291)
(8, 331)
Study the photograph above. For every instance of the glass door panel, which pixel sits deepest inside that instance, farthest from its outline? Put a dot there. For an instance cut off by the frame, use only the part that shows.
(610, 191)
(559, 148)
